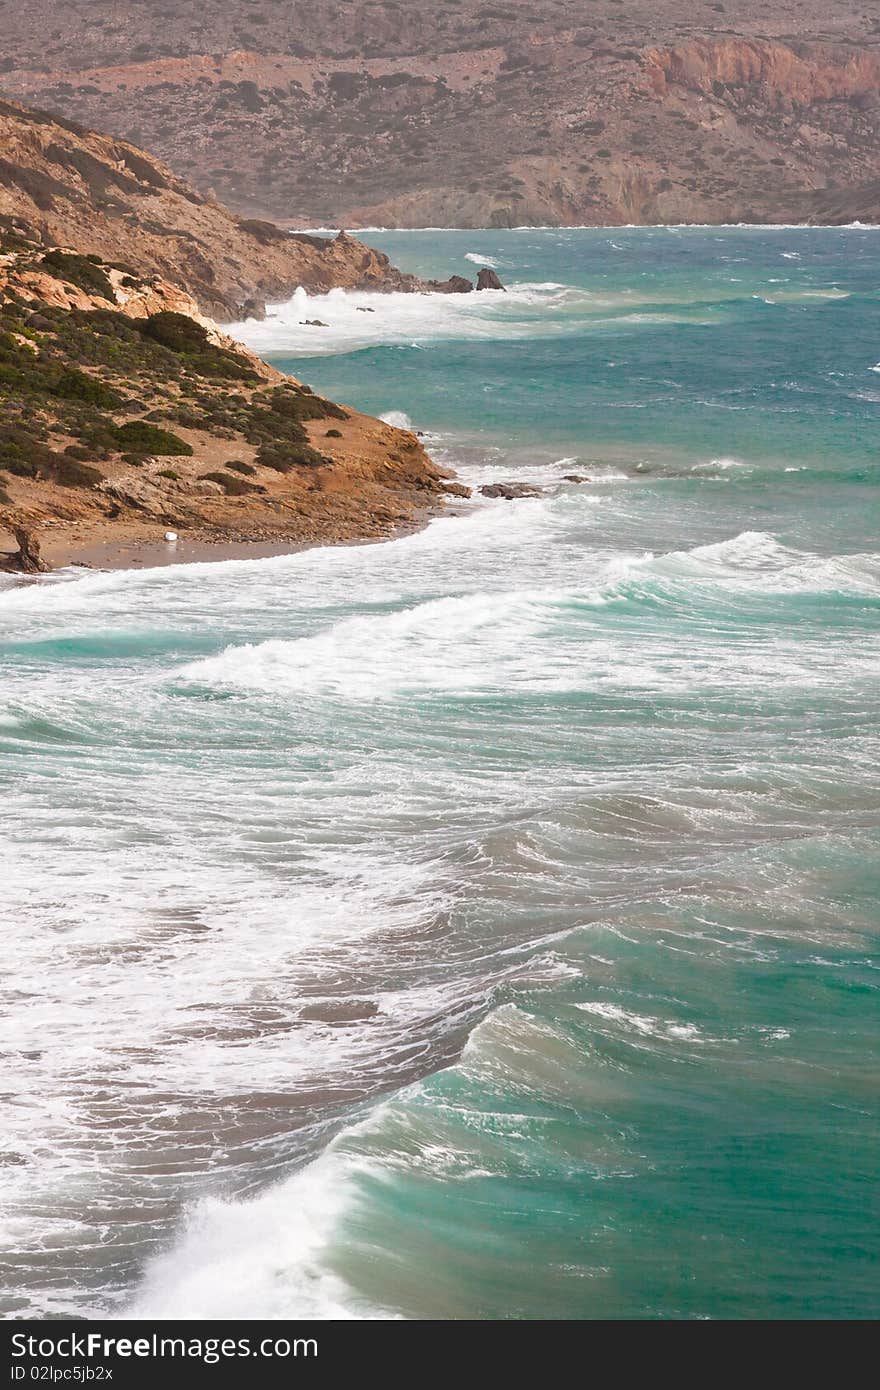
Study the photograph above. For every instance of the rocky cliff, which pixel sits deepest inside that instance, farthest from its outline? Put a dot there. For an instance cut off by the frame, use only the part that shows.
(774, 76)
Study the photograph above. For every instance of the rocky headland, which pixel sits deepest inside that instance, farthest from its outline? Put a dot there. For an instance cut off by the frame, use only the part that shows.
(73, 187)
(125, 412)
(66, 186)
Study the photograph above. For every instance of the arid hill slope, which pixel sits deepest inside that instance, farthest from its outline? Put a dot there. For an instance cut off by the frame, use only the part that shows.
(95, 194)
(472, 113)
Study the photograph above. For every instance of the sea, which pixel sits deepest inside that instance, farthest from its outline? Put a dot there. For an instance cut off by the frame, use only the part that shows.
(480, 924)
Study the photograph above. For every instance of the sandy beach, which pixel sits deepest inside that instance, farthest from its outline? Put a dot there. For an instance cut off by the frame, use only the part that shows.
(112, 547)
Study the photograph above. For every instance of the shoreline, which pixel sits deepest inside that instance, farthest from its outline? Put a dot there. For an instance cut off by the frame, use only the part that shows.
(104, 551)
(608, 227)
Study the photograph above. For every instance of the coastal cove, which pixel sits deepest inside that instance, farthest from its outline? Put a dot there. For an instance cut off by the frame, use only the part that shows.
(483, 923)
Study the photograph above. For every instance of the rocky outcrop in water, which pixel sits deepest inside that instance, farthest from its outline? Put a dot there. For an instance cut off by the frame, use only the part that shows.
(460, 284)
(456, 284)
(510, 491)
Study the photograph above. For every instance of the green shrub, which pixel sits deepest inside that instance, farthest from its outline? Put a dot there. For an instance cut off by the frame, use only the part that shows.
(282, 457)
(334, 434)
(138, 436)
(238, 466)
(71, 473)
(188, 339)
(266, 428)
(175, 331)
(169, 473)
(95, 431)
(74, 385)
(232, 486)
(81, 271)
(298, 404)
(23, 454)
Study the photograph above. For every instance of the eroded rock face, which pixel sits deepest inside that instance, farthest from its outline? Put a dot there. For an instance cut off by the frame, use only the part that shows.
(488, 280)
(776, 73)
(28, 560)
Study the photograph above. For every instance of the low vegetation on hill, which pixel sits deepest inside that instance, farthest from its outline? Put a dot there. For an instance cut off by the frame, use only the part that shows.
(154, 418)
(468, 113)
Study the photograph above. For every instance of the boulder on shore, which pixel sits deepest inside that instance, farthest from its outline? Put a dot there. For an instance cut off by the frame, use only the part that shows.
(510, 491)
(488, 280)
(28, 559)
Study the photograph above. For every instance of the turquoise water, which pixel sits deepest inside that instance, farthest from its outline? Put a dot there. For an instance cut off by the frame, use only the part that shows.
(481, 924)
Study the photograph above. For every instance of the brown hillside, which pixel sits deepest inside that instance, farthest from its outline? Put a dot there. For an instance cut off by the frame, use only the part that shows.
(478, 113)
(95, 194)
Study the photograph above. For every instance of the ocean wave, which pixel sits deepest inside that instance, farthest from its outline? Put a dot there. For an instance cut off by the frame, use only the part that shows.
(491, 261)
(755, 559)
(645, 1025)
(354, 320)
(531, 639)
(804, 296)
(260, 1259)
(398, 418)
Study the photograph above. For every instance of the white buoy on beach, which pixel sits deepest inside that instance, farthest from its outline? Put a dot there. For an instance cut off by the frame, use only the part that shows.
(171, 535)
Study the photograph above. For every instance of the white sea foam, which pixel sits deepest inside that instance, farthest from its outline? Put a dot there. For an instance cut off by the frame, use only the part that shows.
(357, 320)
(754, 559)
(491, 261)
(804, 296)
(242, 884)
(644, 1024)
(482, 640)
(260, 1259)
(724, 464)
(398, 418)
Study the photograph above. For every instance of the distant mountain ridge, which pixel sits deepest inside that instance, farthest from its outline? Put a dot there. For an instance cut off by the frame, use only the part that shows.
(478, 114)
